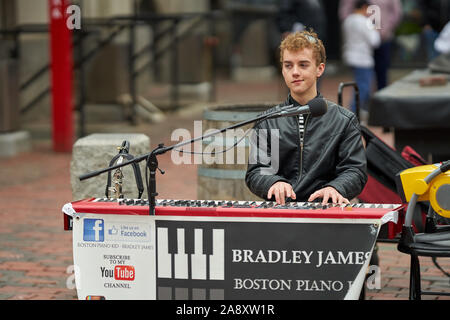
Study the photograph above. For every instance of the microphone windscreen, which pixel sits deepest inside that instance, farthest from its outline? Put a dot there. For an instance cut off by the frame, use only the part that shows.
(317, 107)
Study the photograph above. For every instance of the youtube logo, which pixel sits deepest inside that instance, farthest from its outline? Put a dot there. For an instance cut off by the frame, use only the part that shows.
(124, 273)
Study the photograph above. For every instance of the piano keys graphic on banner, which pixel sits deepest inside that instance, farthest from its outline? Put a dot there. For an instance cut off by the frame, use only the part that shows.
(190, 257)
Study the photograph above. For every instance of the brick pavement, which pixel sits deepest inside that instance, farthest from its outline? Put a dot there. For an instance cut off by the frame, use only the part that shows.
(36, 253)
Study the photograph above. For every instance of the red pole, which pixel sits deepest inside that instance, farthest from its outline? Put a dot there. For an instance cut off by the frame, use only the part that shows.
(61, 76)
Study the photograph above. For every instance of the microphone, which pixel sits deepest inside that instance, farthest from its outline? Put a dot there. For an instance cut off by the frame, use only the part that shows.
(316, 107)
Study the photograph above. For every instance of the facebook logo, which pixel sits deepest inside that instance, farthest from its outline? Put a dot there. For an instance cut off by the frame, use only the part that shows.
(94, 230)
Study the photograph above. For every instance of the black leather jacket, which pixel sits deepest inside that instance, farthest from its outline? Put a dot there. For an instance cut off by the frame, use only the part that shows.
(332, 155)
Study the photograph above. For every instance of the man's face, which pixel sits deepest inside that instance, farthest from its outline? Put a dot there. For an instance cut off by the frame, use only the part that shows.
(300, 73)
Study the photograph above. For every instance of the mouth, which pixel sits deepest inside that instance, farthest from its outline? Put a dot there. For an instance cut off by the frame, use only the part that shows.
(297, 81)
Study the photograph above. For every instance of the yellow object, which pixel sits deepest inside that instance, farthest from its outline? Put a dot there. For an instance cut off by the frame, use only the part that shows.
(420, 186)
(440, 194)
(437, 191)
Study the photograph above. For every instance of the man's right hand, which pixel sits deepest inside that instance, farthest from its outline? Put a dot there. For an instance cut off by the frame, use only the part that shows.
(281, 191)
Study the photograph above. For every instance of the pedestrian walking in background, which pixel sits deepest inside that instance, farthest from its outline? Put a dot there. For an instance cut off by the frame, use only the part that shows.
(391, 14)
(360, 40)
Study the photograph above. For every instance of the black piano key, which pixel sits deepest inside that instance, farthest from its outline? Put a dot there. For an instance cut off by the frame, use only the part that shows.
(173, 245)
(264, 204)
(311, 205)
(189, 240)
(207, 241)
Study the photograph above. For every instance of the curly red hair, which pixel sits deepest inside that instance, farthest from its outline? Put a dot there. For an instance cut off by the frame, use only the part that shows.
(301, 40)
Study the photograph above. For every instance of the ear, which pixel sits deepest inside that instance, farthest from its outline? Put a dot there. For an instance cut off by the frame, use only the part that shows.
(320, 70)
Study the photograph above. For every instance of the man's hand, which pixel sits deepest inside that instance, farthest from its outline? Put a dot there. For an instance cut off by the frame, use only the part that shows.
(281, 191)
(327, 193)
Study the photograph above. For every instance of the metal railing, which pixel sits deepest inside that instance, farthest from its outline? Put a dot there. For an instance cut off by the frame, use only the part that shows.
(116, 26)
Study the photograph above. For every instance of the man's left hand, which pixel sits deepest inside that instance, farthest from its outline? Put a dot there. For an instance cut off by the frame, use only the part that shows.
(327, 193)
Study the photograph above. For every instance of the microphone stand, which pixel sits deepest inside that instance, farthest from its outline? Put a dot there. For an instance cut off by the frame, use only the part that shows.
(152, 161)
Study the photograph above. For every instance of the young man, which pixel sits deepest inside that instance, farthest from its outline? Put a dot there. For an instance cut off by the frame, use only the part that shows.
(319, 157)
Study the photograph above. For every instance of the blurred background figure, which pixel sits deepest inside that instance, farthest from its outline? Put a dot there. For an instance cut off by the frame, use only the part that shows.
(409, 43)
(442, 43)
(297, 15)
(391, 13)
(360, 39)
(243, 13)
(435, 14)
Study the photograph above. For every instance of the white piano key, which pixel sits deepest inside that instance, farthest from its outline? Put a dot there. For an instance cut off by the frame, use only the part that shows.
(164, 257)
(217, 259)
(181, 258)
(198, 259)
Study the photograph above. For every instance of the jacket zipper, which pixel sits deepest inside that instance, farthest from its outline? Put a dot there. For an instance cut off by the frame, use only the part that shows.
(302, 142)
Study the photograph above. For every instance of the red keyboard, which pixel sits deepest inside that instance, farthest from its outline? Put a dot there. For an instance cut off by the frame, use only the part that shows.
(225, 208)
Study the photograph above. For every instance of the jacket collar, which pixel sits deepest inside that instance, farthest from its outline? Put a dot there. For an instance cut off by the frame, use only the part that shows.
(291, 100)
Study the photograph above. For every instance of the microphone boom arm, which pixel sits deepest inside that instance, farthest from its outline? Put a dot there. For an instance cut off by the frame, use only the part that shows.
(152, 162)
(161, 149)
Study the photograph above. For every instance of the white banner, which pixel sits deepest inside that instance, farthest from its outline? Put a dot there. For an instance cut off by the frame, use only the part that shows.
(114, 256)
